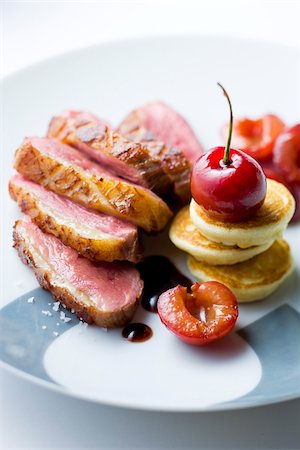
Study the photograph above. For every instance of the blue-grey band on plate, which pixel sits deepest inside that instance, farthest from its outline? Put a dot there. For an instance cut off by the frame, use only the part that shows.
(28, 329)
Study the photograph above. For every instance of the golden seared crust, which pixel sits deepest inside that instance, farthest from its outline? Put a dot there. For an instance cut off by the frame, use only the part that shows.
(184, 234)
(57, 127)
(106, 249)
(105, 142)
(108, 195)
(252, 279)
(86, 311)
(268, 223)
(176, 166)
(174, 162)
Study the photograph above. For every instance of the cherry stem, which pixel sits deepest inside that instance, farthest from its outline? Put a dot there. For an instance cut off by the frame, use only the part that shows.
(226, 159)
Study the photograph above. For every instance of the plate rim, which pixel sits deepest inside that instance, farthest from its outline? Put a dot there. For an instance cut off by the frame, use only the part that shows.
(145, 39)
(54, 59)
(216, 407)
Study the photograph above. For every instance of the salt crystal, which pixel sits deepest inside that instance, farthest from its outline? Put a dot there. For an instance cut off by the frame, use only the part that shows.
(64, 318)
(49, 304)
(44, 327)
(57, 323)
(55, 333)
(47, 313)
(64, 305)
(30, 300)
(55, 306)
(72, 310)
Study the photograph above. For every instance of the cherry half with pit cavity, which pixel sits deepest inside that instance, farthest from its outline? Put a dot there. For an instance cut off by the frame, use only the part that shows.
(205, 315)
(229, 184)
(256, 137)
(286, 156)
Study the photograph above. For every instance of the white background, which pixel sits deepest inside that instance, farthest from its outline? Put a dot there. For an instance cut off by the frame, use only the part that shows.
(33, 418)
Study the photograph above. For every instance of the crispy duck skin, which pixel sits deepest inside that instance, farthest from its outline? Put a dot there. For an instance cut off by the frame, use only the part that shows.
(169, 137)
(67, 172)
(166, 125)
(130, 160)
(96, 236)
(173, 160)
(105, 294)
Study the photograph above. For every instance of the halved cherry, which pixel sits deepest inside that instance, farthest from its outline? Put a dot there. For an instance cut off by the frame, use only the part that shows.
(206, 314)
(255, 136)
(286, 154)
(271, 171)
(295, 191)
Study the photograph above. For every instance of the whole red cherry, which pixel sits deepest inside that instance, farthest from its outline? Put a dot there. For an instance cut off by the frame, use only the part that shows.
(286, 155)
(229, 184)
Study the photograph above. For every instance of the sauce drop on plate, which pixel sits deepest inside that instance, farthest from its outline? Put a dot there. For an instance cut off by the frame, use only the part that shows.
(159, 275)
(137, 332)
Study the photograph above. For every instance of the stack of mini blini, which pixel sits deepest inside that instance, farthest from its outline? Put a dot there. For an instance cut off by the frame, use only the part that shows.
(249, 257)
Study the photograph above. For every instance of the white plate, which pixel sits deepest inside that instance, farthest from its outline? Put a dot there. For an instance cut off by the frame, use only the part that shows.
(259, 362)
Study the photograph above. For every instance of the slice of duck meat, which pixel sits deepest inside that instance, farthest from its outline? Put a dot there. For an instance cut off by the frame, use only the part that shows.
(63, 124)
(175, 165)
(96, 236)
(127, 159)
(66, 171)
(169, 137)
(103, 293)
(166, 125)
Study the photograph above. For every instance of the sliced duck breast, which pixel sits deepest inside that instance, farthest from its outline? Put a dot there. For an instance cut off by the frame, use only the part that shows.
(66, 171)
(168, 126)
(96, 236)
(127, 159)
(104, 293)
(173, 161)
(169, 137)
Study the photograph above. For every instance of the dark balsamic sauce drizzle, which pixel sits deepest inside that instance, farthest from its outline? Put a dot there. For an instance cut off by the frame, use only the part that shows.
(137, 332)
(159, 275)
